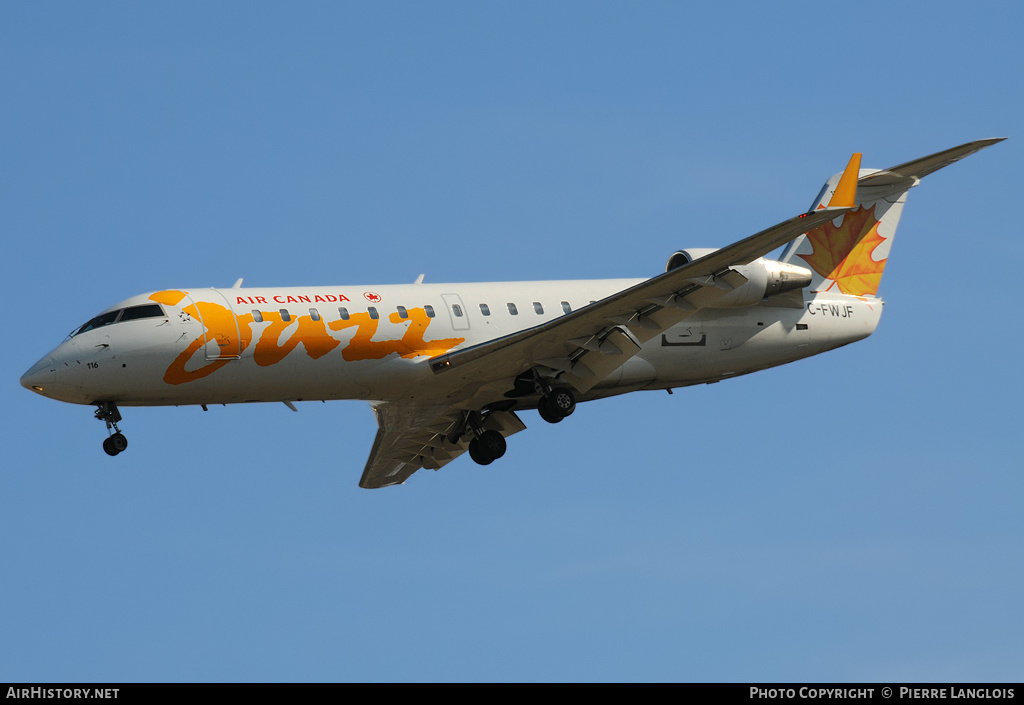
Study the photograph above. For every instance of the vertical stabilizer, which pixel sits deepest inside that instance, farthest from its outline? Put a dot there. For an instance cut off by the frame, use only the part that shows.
(848, 255)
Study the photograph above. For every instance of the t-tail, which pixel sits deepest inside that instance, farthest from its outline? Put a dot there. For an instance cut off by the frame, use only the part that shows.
(848, 255)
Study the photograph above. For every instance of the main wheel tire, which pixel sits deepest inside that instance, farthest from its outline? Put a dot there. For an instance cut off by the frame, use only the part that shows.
(493, 444)
(557, 405)
(562, 402)
(478, 453)
(542, 409)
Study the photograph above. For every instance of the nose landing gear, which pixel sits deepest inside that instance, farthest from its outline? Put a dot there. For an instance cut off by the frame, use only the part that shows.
(107, 412)
(115, 443)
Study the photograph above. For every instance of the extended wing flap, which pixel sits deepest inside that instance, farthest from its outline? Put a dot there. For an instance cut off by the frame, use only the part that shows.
(594, 366)
(401, 446)
(411, 437)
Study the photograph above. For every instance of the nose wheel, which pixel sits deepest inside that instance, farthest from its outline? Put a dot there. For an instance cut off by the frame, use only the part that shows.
(116, 442)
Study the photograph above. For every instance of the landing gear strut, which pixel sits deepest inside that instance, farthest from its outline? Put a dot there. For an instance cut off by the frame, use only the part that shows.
(485, 445)
(107, 412)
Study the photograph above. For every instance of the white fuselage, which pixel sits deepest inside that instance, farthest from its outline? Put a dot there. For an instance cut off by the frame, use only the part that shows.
(447, 366)
(220, 346)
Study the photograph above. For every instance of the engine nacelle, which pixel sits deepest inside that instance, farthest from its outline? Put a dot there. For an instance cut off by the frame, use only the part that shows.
(681, 257)
(765, 277)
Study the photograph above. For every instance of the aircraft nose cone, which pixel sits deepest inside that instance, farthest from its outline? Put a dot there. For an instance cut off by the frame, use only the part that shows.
(39, 375)
(59, 375)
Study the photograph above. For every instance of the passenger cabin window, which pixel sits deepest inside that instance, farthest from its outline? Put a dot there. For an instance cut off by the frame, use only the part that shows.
(538, 308)
(373, 313)
(566, 308)
(430, 310)
(285, 316)
(402, 313)
(484, 309)
(457, 310)
(314, 314)
(512, 309)
(343, 312)
(257, 317)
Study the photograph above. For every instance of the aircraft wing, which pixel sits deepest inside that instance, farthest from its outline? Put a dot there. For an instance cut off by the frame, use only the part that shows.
(413, 436)
(585, 346)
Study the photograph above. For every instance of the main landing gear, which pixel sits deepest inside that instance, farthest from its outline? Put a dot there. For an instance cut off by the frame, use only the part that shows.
(557, 404)
(485, 444)
(107, 412)
(487, 447)
(486, 429)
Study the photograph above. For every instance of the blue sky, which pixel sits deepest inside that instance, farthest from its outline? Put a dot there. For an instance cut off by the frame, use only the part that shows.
(852, 517)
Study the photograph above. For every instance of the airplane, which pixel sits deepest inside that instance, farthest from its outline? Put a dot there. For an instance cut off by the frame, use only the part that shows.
(448, 367)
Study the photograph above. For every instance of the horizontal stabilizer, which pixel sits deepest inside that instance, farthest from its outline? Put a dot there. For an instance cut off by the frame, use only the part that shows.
(917, 169)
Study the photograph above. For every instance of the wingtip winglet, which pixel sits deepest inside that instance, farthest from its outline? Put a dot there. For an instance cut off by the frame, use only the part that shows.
(845, 195)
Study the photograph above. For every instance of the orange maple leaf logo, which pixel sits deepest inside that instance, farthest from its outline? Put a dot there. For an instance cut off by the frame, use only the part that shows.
(844, 254)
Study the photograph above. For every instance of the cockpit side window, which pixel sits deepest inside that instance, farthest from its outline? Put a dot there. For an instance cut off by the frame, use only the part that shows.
(121, 315)
(104, 319)
(146, 311)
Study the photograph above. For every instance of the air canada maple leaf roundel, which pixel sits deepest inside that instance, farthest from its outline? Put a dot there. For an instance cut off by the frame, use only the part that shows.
(372, 297)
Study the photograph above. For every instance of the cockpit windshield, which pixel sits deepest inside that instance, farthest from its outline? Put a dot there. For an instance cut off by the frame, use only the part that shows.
(133, 313)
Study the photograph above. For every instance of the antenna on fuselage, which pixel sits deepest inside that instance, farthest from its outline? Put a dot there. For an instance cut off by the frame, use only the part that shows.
(237, 284)
(419, 279)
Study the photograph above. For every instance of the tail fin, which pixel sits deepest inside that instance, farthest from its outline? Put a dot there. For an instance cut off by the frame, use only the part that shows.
(850, 257)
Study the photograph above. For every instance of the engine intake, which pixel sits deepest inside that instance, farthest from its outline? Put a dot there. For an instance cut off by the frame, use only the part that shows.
(681, 257)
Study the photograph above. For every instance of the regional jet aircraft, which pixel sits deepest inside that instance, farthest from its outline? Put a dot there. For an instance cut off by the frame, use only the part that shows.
(448, 367)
